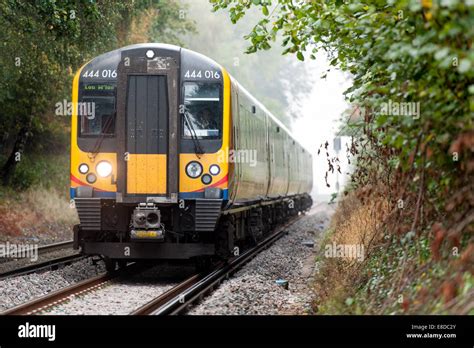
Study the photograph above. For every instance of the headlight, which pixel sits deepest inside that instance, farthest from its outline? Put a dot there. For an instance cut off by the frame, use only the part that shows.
(214, 169)
(194, 169)
(104, 169)
(83, 168)
(206, 179)
(91, 178)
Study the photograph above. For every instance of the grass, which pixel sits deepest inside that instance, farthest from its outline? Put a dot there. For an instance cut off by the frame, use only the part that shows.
(38, 202)
(398, 275)
(50, 204)
(354, 223)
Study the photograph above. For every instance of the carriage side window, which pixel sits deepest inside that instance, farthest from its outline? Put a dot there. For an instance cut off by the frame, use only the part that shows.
(202, 116)
(96, 115)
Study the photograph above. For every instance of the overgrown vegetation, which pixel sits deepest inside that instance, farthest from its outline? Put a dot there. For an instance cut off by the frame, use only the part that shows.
(398, 274)
(37, 203)
(412, 63)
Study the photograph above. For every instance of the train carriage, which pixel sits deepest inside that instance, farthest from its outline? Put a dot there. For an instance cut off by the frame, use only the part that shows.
(171, 158)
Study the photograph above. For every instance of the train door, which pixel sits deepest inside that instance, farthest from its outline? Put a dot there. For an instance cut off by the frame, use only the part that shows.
(146, 134)
(147, 115)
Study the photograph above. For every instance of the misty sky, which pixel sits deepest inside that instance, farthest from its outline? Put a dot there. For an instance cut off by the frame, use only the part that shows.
(319, 120)
(319, 112)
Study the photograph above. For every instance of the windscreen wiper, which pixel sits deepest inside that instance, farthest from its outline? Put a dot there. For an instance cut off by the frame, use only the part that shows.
(197, 145)
(101, 137)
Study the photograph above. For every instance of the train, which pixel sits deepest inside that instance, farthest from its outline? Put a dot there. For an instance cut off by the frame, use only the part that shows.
(171, 158)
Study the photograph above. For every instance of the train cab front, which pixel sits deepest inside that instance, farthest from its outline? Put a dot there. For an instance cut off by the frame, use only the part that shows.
(148, 169)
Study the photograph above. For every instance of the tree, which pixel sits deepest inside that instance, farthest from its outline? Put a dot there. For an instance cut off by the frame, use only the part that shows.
(43, 43)
(412, 64)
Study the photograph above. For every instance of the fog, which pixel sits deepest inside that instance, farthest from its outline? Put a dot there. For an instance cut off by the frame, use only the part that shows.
(293, 90)
(320, 122)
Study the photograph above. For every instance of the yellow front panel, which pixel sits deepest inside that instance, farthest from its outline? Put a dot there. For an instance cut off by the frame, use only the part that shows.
(187, 184)
(146, 174)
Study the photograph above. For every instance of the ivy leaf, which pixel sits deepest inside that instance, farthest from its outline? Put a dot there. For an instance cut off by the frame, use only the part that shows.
(441, 53)
(464, 66)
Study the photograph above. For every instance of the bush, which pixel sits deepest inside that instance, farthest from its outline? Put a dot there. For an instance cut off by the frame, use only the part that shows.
(24, 177)
(40, 170)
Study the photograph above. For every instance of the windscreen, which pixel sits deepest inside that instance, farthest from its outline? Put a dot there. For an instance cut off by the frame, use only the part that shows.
(202, 116)
(96, 111)
(96, 116)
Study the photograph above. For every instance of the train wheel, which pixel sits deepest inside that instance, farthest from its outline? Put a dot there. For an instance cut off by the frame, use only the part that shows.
(203, 263)
(225, 236)
(122, 263)
(255, 226)
(110, 264)
(267, 220)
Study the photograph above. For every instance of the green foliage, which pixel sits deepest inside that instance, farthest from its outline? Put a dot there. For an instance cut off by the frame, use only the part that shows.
(24, 177)
(401, 54)
(398, 52)
(47, 171)
(45, 42)
(173, 24)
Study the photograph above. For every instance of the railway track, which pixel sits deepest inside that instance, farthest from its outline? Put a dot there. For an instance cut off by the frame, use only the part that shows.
(178, 299)
(54, 246)
(174, 301)
(51, 264)
(47, 264)
(44, 249)
(42, 304)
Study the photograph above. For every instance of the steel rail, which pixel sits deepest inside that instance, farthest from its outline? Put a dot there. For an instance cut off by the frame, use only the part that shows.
(44, 249)
(167, 296)
(177, 300)
(174, 301)
(63, 295)
(51, 264)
